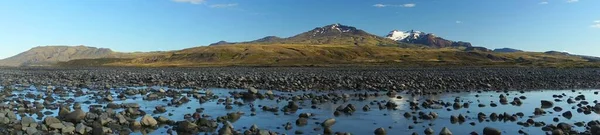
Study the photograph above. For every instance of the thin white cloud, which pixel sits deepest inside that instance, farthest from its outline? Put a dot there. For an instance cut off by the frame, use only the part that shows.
(408, 5)
(380, 5)
(543, 3)
(572, 1)
(224, 5)
(596, 24)
(459, 22)
(190, 1)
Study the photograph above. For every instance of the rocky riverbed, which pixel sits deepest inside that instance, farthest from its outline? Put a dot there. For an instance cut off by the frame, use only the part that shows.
(299, 101)
(294, 79)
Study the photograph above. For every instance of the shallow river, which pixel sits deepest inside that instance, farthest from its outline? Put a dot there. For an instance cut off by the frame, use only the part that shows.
(363, 123)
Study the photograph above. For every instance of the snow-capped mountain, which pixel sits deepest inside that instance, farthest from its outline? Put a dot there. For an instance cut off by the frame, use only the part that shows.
(429, 39)
(333, 34)
(336, 28)
(405, 35)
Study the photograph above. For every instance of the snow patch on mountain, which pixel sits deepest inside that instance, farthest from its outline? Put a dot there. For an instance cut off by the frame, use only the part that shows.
(405, 35)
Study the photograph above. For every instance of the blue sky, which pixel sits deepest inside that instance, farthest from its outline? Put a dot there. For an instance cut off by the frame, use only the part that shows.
(150, 25)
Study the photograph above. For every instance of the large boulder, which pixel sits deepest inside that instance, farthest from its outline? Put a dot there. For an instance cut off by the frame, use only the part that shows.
(567, 114)
(113, 105)
(301, 121)
(51, 120)
(252, 90)
(75, 116)
(160, 109)
(557, 132)
(328, 123)
(597, 107)
(491, 131)
(595, 130)
(131, 105)
(564, 126)
(445, 131)
(428, 131)
(80, 128)
(538, 111)
(63, 112)
(380, 131)
(108, 98)
(68, 130)
(163, 119)
(148, 121)
(57, 126)
(26, 121)
(547, 104)
(227, 129)
(31, 130)
(187, 127)
(4, 120)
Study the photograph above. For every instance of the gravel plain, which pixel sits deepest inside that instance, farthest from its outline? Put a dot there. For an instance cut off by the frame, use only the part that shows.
(293, 79)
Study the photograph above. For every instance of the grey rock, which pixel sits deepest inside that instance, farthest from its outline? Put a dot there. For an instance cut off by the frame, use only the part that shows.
(108, 98)
(68, 130)
(445, 131)
(252, 90)
(80, 128)
(57, 126)
(428, 131)
(567, 114)
(328, 123)
(4, 120)
(75, 116)
(595, 130)
(51, 120)
(26, 121)
(113, 106)
(148, 121)
(31, 130)
(187, 127)
(557, 132)
(547, 104)
(131, 105)
(163, 119)
(380, 131)
(301, 121)
(491, 131)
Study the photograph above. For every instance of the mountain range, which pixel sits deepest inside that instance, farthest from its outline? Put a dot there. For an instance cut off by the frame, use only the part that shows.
(337, 34)
(428, 39)
(329, 45)
(334, 34)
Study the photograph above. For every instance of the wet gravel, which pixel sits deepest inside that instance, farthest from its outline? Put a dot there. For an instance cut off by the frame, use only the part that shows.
(293, 79)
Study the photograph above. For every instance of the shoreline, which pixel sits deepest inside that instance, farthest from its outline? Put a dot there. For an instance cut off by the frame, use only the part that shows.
(313, 79)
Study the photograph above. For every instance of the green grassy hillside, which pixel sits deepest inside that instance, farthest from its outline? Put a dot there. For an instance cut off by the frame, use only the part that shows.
(336, 55)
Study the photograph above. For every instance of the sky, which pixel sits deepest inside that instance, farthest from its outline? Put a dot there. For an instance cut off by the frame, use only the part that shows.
(152, 25)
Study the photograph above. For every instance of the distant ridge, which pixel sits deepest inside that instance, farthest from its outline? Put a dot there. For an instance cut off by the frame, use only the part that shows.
(48, 55)
(507, 50)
